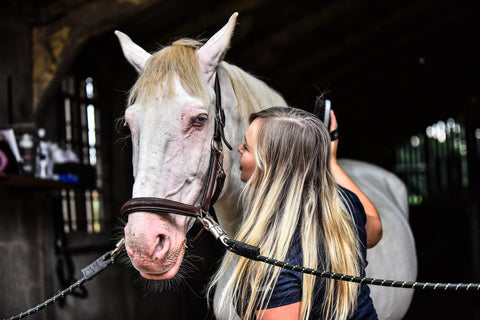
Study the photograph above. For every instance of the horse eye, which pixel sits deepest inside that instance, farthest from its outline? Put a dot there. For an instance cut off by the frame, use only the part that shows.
(199, 120)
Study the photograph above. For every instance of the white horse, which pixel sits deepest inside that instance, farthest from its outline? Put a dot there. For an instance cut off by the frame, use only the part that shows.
(171, 119)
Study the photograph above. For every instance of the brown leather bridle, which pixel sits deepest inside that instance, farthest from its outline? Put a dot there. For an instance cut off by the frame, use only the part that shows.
(213, 185)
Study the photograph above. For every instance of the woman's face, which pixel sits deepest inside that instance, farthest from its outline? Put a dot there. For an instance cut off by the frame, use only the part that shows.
(247, 151)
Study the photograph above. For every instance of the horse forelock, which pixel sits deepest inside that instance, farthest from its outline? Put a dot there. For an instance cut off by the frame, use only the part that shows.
(177, 60)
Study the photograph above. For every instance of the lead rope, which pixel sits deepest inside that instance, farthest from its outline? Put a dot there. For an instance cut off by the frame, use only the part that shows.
(253, 253)
(88, 273)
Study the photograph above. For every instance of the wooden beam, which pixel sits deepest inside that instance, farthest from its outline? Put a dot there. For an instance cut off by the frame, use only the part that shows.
(56, 44)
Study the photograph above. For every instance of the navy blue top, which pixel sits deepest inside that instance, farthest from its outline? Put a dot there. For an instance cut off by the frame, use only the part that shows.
(288, 289)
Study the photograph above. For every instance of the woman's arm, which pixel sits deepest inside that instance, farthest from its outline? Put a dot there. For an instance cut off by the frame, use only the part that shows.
(287, 312)
(374, 224)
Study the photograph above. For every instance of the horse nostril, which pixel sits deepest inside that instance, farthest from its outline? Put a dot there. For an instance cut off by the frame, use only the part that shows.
(162, 247)
(161, 240)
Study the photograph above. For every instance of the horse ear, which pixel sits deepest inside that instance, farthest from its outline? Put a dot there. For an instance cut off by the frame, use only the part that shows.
(132, 52)
(210, 54)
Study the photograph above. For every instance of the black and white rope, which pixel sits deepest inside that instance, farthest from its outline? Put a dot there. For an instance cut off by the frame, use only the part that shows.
(253, 253)
(88, 273)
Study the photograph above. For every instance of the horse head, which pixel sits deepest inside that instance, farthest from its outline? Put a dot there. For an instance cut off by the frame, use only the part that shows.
(171, 115)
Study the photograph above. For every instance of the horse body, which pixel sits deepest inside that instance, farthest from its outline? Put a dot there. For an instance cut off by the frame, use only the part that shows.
(394, 256)
(171, 120)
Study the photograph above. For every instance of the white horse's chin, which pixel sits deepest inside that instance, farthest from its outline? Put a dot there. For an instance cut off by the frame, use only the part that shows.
(159, 269)
(163, 272)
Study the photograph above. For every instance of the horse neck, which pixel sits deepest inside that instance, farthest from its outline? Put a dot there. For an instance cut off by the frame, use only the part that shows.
(260, 96)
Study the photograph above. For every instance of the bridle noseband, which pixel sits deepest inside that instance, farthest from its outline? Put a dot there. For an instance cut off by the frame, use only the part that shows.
(213, 185)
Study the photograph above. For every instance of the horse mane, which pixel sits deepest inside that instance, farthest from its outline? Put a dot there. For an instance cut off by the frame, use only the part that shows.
(179, 59)
(252, 94)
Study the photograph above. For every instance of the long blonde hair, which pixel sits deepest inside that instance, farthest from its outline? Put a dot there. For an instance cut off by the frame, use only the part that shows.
(292, 189)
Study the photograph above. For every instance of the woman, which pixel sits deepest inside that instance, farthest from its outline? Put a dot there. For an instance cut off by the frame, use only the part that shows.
(294, 211)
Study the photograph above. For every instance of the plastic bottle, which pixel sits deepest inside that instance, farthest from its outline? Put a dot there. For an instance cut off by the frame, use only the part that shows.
(43, 156)
(27, 151)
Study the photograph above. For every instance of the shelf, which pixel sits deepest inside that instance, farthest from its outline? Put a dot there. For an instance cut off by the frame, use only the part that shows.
(32, 182)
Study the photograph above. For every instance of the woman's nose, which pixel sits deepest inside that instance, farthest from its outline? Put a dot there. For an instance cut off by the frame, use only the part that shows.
(239, 149)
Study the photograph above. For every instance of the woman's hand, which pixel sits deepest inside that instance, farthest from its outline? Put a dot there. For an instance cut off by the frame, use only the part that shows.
(334, 144)
(287, 312)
